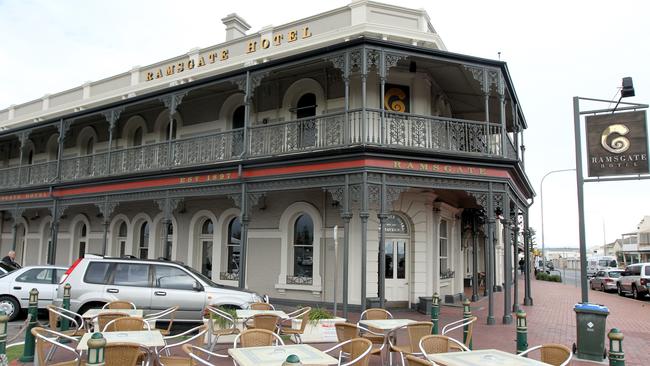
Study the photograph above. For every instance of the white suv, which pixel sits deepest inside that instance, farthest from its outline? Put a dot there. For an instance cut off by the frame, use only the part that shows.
(152, 285)
(635, 280)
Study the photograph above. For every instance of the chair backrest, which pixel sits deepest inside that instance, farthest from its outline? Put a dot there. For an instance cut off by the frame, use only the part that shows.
(43, 337)
(103, 319)
(227, 320)
(126, 324)
(375, 314)
(56, 313)
(460, 324)
(122, 354)
(118, 304)
(257, 338)
(167, 314)
(359, 351)
(416, 331)
(435, 343)
(261, 306)
(555, 354)
(416, 361)
(194, 337)
(266, 321)
(303, 315)
(345, 332)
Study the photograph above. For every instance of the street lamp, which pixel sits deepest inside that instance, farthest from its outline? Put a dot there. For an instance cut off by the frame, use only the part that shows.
(541, 199)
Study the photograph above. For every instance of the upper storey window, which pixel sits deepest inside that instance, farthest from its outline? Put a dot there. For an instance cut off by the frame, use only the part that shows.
(306, 106)
(238, 117)
(137, 137)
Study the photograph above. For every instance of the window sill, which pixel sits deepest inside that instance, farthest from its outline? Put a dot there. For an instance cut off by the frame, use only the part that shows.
(315, 289)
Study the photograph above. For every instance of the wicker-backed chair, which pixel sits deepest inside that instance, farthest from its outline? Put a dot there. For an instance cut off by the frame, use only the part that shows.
(460, 324)
(552, 354)
(417, 361)
(200, 356)
(436, 343)
(347, 331)
(44, 337)
(359, 351)
(125, 354)
(376, 336)
(415, 331)
(119, 304)
(229, 326)
(286, 325)
(126, 324)
(257, 338)
(261, 306)
(192, 337)
(102, 319)
(75, 321)
(168, 315)
(263, 321)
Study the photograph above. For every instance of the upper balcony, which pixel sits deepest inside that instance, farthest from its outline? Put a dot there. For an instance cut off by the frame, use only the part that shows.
(372, 96)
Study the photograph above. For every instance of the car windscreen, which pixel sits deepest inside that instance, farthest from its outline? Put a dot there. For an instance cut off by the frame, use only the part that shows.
(203, 277)
(615, 274)
(613, 264)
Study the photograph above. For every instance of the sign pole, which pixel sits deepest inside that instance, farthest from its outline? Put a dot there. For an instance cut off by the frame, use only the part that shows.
(336, 266)
(581, 203)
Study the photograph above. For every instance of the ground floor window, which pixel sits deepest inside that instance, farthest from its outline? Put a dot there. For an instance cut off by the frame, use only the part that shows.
(303, 247)
(234, 248)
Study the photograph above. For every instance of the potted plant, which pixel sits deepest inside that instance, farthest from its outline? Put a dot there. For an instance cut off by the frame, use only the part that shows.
(219, 322)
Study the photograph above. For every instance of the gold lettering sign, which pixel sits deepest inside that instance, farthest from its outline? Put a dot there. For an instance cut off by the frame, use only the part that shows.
(438, 168)
(252, 46)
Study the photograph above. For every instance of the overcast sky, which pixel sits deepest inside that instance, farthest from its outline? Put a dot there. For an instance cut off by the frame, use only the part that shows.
(555, 50)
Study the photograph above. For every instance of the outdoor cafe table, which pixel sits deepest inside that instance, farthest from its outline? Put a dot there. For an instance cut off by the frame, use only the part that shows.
(146, 338)
(276, 355)
(244, 314)
(91, 313)
(385, 324)
(484, 357)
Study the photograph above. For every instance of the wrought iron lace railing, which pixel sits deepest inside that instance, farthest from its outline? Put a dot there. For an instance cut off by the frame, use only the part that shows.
(334, 130)
(227, 276)
(300, 280)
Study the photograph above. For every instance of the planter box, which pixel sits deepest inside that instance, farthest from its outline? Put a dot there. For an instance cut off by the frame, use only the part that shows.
(322, 331)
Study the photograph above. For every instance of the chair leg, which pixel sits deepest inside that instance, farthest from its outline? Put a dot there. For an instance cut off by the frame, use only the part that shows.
(214, 343)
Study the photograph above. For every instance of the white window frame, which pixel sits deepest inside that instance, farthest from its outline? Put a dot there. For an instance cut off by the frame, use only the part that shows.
(287, 222)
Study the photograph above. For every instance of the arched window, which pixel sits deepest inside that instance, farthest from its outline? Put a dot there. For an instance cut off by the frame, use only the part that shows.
(173, 131)
(167, 252)
(207, 232)
(90, 146)
(144, 240)
(234, 241)
(238, 117)
(303, 247)
(83, 239)
(306, 106)
(121, 239)
(137, 137)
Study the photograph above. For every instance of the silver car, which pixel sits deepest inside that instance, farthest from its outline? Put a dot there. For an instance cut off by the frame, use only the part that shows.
(635, 280)
(15, 287)
(152, 285)
(605, 280)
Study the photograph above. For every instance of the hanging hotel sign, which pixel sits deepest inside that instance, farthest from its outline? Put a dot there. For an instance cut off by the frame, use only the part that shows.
(223, 54)
(617, 144)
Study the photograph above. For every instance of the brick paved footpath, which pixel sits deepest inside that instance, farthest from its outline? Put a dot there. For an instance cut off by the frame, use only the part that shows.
(550, 320)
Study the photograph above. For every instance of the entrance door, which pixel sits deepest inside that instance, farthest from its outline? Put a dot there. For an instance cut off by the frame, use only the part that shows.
(397, 288)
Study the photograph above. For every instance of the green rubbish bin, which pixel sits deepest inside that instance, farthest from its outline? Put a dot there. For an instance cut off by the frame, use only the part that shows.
(591, 325)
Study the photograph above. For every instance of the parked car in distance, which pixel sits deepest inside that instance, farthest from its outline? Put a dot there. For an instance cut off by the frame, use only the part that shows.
(152, 285)
(15, 287)
(635, 280)
(605, 280)
(6, 268)
(600, 263)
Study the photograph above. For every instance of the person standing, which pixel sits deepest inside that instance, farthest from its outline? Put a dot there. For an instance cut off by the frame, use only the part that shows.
(10, 259)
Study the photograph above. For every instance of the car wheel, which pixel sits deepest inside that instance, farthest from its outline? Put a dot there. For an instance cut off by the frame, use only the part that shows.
(635, 293)
(602, 288)
(10, 306)
(619, 290)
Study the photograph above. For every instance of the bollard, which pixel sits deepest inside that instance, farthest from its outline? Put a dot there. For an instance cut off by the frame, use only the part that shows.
(292, 360)
(65, 323)
(616, 354)
(467, 313)
(96, 345)
(3, 337)
(32, 313)
(435, 312)
(522, 332)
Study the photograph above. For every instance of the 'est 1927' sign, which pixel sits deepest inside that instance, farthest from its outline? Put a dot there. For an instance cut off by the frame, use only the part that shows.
(617, 144)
